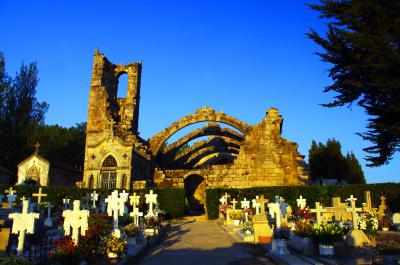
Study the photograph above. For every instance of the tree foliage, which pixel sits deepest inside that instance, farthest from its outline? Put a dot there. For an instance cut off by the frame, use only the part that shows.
(328, 162)
(22, 123)
(362, 44)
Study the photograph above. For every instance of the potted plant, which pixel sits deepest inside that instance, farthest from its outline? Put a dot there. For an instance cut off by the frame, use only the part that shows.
(236, 216)
(280, 237)
(131, 232)
(115, 247)
(325, 236)
(151, 224)
(247, 227)
(303, 229)
(385, 223)
(368, 222)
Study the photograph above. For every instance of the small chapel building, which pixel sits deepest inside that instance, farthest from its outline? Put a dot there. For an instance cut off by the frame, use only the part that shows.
(37, 170)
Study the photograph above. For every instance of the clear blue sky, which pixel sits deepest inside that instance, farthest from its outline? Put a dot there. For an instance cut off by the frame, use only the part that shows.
(239, 57)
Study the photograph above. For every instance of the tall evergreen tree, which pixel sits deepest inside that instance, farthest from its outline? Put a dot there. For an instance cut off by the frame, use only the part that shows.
(363, 46)
(328, 162)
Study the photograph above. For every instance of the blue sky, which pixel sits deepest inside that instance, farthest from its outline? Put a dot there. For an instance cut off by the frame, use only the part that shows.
(239, 57)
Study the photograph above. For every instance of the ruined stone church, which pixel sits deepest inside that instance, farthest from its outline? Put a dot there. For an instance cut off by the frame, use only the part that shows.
(238, 157)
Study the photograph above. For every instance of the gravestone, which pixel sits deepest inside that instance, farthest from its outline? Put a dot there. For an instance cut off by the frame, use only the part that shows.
(337, 212)
(94, 196)
(301, 202)
(23, 223)
(136, 214)
(396, 220)
(66, 203)
(262, 230)
(115, 207)
(124, 195)
(256, 205)
(39, 195)
(355, 237)
(11, 198)
(151, 199)
(76, 219)
(367, 206)
(48, 221)
(245, 204)
(382, 207)
(318, 210)
(234, 202)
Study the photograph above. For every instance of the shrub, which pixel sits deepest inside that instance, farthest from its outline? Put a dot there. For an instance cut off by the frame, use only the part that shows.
(115, 245)
(303, 228)
(327, 233)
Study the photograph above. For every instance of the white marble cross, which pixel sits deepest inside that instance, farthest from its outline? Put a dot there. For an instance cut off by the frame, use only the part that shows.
(11, 198)
(151, 199)
(301, 202)
(234, 202)
(318, 210)
(115, 207)
(222, 200)
(39, 195)
(66, 203)
(10, 191)
(75, 219)
(124, 195)
(245, 204)
(353, 210)
(136, 214)
(256, 204)
(134, 200)
(94, 196)
(23, 222)
(48, 221)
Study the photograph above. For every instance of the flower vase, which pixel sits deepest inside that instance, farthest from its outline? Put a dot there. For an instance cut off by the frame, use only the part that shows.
(282, 247)
(326, 250)
(236, 222)
(112, 255)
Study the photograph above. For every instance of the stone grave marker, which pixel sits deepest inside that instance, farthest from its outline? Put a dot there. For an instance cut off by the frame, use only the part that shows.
(39, 196)
(23, 223)
(355, 237)
(234, 202)
(367, 206)
(262, 201)
(115, 207)
(136, 214)
(124, 195)
(76, 219)
(48, 221)
(262, 230)
(318, 210)
(337, 212)
(382, 207)
(275, 213)
(94, 196)
(87, 201)
(11, 198)
(151, 199)
(396, 220)
(66, 203)
(245, 204)
(255, 204)
(301, 202)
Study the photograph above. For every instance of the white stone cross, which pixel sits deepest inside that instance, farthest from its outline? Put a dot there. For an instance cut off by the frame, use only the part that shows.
(94, 196)
(39, 195)
(115, 207)
(150, 200)
(256, 204)
(66, 203)
(318, 210)
(75, 219)
(134, 200)
(351, 199)
(48, 221)
(353, 210)
(245, 204)
(301, 202)
(23, 222)
(11, 198)
(10, 191)
(262, 201)
(124, 195)
(222, 200)
(234, 202)
(136, 214)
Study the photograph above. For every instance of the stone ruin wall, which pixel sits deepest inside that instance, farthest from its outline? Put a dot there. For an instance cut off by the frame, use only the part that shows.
(265, 159)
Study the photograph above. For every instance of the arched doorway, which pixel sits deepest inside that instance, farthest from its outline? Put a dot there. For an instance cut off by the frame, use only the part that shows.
(33, 176)
(109, 173)
(194, 189)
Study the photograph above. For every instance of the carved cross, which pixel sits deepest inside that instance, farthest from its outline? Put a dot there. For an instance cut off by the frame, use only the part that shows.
(23, 223)
(39, 195)
(94, 197)
(245, 204)
(115, 206)
(301, 202)
(150, 200)
(318, 210)
(10, 199)
(124, 195)
(222, 200)
(136, 214)
(134, 200)
(234, 202)
(256, 204)
(353, 210)
(76, 219)
(262, 201)
(10, 191)
(48, 221)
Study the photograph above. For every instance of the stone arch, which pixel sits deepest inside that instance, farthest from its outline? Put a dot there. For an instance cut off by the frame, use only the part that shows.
(199, 155)
(108, 173)
(122, 84)
(205, 158)
(194, 185)
(201, 115)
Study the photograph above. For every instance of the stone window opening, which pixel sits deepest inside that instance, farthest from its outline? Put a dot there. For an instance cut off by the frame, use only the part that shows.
(122, 89)
(109, 173)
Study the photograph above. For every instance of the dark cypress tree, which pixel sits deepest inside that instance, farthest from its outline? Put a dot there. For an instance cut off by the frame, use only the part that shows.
(354, 172)
(362, 45)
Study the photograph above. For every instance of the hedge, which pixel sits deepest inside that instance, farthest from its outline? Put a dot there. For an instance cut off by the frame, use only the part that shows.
(171, 200)
(323, 194)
